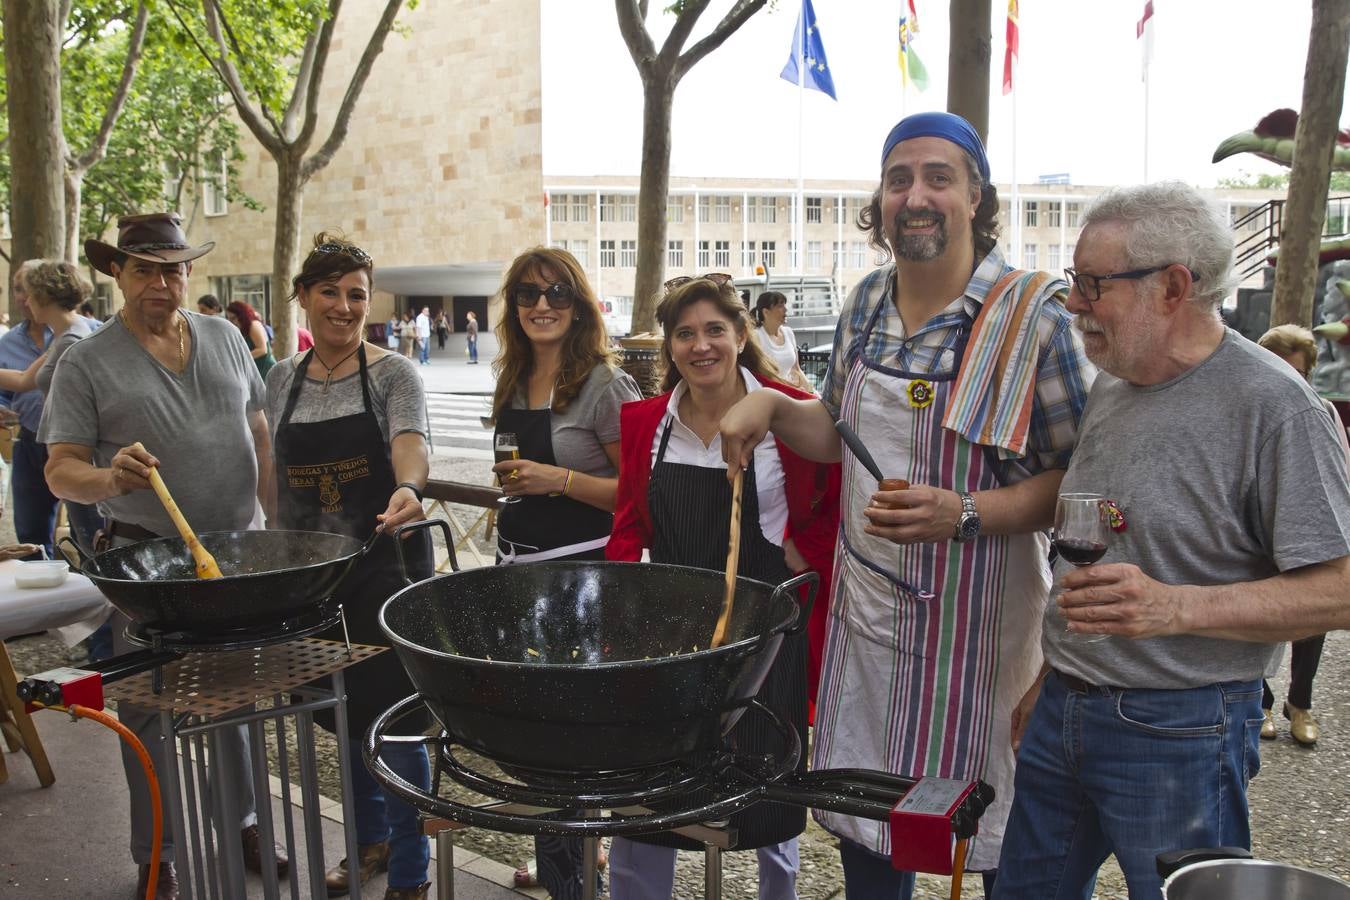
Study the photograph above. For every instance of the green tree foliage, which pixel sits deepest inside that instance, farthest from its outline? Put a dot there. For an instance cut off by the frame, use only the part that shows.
(1279, 181)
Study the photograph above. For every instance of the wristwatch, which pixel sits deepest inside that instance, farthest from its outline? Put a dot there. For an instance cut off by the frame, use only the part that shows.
(417, 492)
(968, 523)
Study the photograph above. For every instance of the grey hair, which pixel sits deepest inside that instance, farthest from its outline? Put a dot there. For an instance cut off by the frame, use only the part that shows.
(1171, 222)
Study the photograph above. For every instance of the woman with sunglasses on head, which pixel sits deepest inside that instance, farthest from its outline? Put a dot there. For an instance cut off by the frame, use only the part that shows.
(350, 447)
(558, 392)
(675, 501)
(777, 340)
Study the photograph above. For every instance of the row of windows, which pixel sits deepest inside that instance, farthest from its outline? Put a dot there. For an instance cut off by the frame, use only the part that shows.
(712, 208)
(1053, 212)
(719, 254)
(1057, 256)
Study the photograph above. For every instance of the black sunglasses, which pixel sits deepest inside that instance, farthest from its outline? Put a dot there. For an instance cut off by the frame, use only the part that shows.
(558, 295)
(721, 279)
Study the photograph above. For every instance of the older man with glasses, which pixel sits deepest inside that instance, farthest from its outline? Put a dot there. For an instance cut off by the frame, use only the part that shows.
(1224, 485)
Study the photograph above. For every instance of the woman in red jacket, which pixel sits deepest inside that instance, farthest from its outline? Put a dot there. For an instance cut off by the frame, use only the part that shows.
(674, 500)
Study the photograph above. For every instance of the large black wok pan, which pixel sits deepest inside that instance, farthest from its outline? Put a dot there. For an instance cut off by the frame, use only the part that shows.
(269, 577)
(588, 666)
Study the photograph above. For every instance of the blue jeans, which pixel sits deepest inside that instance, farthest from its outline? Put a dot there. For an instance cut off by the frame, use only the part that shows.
(424, 348)
(381, 816)
(868, 876)
(647, 872)
(1132, 772)
(473, 349)
(34, 504)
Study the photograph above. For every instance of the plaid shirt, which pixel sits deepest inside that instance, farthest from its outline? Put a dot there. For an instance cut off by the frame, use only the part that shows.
(1063, 374)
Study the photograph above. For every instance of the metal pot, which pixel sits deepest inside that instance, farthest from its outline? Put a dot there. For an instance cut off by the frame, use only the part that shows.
(588, 666)
(269, 577)
(1229, 873)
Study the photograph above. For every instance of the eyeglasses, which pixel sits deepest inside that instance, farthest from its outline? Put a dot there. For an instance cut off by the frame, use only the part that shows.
(1090, 286)
(721, 279)
(351, 250)
(559, 295)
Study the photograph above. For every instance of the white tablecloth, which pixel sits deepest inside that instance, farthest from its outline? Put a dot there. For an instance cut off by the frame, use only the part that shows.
(74, 609)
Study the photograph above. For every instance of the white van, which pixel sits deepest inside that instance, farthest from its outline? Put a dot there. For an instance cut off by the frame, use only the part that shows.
(814, 302)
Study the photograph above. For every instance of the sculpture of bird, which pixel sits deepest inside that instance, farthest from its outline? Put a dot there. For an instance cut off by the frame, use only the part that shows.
(1273, 139)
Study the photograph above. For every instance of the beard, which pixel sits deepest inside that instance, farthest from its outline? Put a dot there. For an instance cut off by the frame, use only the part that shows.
(919, 247)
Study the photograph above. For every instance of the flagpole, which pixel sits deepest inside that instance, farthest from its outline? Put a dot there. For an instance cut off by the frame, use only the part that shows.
(801, 132)
(1146, 92)
(1013, 205)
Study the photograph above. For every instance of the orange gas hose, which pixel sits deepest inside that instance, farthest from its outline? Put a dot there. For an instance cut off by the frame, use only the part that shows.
(157, 835)
(958, 868)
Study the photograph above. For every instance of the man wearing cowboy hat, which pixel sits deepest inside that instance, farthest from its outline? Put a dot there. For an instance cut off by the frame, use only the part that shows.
(160, 387)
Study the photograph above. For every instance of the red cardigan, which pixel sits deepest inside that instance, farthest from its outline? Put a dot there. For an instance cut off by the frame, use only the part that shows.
(812, 496)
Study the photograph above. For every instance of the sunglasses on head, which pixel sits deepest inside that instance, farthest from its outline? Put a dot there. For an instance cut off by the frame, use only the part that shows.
(558, 295)
(721, 279)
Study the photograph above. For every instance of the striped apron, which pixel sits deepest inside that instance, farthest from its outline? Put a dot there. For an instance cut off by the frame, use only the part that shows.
(928, 646)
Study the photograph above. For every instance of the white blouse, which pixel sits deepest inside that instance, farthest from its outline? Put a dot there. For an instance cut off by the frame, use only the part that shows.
(784, 355)
(685, 447)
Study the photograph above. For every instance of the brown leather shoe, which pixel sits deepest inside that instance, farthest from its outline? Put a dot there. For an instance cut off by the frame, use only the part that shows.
(166, 888)
(374, 858)
(1302, 725)
(252, 845)
(408, 893)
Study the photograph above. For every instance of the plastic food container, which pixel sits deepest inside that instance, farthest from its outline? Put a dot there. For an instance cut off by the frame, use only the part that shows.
(41, 573)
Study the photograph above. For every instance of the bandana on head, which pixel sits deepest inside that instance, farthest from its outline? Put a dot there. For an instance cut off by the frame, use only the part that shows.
(943, 125)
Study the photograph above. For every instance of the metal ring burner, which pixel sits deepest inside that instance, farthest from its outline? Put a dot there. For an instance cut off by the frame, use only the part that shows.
(178, 641)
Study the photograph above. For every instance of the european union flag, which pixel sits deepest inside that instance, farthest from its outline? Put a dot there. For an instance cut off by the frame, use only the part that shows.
(807, 44)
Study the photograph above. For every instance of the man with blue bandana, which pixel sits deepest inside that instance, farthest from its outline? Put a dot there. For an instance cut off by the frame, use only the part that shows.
(962, 377)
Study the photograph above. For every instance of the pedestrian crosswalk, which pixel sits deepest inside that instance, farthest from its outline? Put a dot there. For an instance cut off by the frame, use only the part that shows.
(457, 427)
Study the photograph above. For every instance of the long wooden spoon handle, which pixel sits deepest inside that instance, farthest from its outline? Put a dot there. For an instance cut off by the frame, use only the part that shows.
(205, 562)
(733, 560)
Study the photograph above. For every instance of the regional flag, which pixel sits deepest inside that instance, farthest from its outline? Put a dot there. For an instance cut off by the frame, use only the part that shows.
(807, 45)
(1144, 29)
(911, 67)
(1010, 50)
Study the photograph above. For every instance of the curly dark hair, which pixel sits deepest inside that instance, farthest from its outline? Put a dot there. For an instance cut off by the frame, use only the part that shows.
(984, 227)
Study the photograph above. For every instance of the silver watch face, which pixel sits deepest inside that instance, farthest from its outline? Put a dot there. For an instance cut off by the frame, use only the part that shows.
(968, 527)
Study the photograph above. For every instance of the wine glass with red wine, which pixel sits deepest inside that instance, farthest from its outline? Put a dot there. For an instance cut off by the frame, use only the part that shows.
(1081, 533)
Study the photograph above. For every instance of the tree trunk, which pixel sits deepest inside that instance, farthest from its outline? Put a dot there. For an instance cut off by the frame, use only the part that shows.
(658, 91)
(74, 188)
(1314, 143)
(286, 253)
(968, 63)
(37, 149)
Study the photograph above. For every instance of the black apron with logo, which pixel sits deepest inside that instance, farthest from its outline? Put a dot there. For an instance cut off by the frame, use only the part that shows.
(690, 507)
(336, 476)
(540, 527)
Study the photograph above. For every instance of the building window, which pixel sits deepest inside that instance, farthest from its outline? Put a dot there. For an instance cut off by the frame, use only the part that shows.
(840, 211)
(705, 209)
(814, 210)
(628, 208)
(618, 208)
(581, 208)
(606, 254)
(1068, 253)
(674, 210)
(1071, 215)
(813, 252)
(1030, 212)
(722, 254)
(880, 258)
(608, 204)
(557, 208)
(1052, 261)
(840, 254)
(214, 188)
(769, 253)
(704, 257)
(255, 290)
(627, 254)
(859, 254)
(722, 210)
(1052, 217)
(768, 210)
(582, 251)
(1029, 256)
(748, 254)
(674, 254)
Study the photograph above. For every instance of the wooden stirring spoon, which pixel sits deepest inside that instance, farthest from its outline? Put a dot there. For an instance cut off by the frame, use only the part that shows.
(205, 562)
(733, 561)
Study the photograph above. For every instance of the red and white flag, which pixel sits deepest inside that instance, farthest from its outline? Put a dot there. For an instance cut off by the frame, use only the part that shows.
(1010, 49)
(1144, 30)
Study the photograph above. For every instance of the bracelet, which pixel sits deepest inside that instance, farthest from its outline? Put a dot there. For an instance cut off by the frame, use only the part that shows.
(417, 492)
(568, 483)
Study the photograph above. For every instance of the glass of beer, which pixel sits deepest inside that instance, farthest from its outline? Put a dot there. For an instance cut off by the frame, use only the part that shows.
(505, 446)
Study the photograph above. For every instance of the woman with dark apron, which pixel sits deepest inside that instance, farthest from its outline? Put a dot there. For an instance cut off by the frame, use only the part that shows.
(558, 397)
(675, 500)
(350, 450)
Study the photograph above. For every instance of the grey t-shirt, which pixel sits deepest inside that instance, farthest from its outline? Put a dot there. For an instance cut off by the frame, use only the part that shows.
(79, 328)
(590, 421)
(110, 392)
(1228, 473)
(396, 394)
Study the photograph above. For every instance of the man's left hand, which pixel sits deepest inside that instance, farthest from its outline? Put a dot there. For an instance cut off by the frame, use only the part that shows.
(1119, 599)
(404, 507)
(917, 515)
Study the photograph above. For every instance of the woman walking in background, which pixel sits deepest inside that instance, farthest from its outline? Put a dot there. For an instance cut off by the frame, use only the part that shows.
(249, 323)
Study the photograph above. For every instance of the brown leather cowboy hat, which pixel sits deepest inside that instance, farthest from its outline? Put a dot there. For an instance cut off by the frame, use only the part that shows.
(157, 237)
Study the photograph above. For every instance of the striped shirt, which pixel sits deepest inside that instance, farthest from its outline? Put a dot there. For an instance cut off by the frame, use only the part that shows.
(1063, 373)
